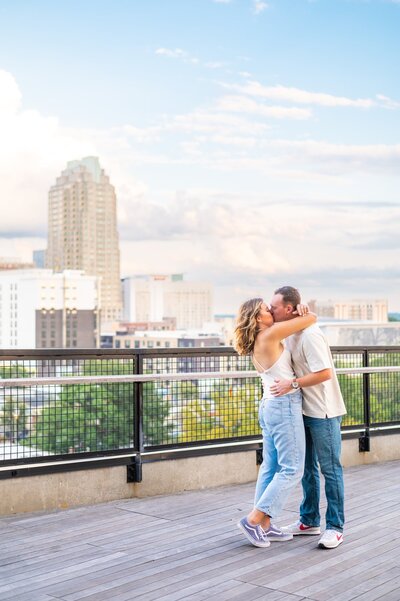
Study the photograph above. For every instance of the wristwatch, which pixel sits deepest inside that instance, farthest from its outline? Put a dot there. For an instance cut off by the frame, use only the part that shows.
(295, 384)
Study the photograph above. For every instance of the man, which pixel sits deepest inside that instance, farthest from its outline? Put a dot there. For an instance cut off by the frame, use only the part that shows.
(323, 407)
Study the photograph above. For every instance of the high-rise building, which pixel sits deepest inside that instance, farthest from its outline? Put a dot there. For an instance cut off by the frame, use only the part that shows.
(353, 310)
(156, 297)
(39, 258)
(42, 309)
(83, 230)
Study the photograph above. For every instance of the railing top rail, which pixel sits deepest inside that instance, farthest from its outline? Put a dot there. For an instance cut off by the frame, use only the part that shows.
(14, 354)
(154, 377)
(113, 353)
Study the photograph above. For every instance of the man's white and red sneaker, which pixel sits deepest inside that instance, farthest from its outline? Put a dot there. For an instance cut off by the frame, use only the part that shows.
(330, 539)
(299, 528)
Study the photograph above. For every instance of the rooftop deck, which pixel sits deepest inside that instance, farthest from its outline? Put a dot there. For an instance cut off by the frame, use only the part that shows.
(187, 546)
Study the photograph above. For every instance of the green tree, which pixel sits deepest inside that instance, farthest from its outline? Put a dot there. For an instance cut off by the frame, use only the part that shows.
(157, 429)
(229, 411)
(384, 394)
(13, 418)
(14, 370)
(95, 417)
(351, 386)
(13, 412)
(84, 418)
(158, 425)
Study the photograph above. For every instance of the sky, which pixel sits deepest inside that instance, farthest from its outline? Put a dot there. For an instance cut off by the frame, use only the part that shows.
(252, 144)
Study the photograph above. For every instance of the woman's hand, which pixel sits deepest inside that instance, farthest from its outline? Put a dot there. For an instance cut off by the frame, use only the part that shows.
(301, 309)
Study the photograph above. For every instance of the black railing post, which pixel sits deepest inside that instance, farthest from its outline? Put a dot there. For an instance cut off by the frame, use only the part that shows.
(134, 470)
(364, 440)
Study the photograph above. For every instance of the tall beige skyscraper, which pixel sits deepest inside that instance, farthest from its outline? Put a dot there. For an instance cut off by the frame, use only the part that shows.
(83, 232)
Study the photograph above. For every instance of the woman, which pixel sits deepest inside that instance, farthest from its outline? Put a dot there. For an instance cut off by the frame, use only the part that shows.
(281, 418)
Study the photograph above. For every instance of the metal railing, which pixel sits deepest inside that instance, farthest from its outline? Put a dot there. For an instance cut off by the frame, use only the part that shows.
(68, 408)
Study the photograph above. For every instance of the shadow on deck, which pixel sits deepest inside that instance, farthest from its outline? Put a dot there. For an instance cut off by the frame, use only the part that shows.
(187, 546)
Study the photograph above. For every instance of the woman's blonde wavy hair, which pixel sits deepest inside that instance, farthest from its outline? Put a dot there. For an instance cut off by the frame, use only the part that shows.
(246, 326)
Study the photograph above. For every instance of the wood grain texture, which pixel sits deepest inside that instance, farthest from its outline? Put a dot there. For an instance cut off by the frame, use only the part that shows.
(187, 547)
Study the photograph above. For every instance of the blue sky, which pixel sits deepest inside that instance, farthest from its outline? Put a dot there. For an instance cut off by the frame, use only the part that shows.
(251, 144)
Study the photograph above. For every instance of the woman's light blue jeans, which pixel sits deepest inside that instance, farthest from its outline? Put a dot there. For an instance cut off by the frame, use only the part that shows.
(282, 468)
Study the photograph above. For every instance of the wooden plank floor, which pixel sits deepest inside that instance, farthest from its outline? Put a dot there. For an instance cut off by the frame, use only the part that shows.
(187, 546)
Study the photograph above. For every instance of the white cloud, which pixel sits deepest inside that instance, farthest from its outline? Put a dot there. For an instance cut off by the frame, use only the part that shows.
(33, 148)
(262, 243)
(388, 102)
(237, 239)
(212, 121)
(178, 53)
(10, 97)
(344, 157)
(214, 65)
(242, 104)
(259, 6)
(299, 96)
(296, 95)
(142, 135)
(21, 247)
(33, 151)
(186, 57)
(303, 160)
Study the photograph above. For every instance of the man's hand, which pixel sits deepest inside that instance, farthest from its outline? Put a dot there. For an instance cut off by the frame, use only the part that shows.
(281, 387)
(284, 386)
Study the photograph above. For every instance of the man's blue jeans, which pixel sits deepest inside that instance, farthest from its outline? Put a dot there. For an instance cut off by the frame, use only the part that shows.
(281, 421)
(323, 446)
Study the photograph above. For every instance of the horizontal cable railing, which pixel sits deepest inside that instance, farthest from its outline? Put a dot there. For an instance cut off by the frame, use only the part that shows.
(26, 382)
(71, 407)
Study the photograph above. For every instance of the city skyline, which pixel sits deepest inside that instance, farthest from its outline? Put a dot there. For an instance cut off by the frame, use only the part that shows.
(251, 144)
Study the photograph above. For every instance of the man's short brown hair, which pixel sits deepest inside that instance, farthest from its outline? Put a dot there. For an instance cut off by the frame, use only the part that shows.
(290, 295)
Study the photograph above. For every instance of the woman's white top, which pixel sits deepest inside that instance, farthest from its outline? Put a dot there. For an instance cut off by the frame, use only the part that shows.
(282, 370)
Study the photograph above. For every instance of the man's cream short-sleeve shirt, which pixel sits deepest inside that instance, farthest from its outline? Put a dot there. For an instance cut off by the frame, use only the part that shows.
(310, 353)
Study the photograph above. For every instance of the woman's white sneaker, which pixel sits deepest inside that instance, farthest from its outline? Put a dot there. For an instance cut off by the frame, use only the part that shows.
(299, 528)
(330, 539)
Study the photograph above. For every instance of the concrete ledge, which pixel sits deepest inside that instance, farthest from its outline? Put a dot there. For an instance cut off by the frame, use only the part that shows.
(63, 490)
(87, 487)
(385, 447)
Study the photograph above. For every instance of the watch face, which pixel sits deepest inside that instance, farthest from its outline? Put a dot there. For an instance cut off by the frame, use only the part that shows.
(295, 384)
